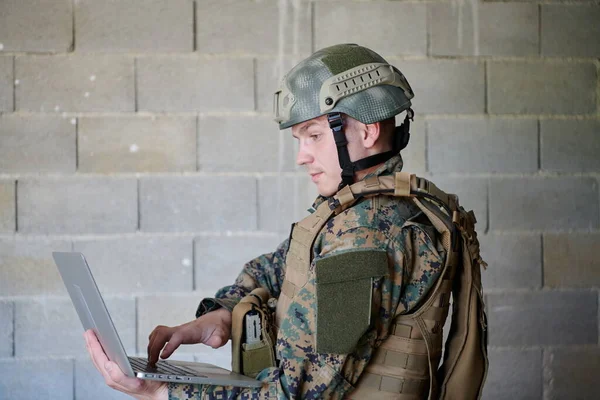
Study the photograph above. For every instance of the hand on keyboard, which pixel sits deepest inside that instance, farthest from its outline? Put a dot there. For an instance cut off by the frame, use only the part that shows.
(212, 329)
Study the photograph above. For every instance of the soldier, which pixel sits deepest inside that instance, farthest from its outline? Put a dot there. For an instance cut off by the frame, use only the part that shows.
(363, 283)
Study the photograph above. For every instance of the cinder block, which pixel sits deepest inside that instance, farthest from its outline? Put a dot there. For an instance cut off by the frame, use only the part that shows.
(284, 200)
(255, 143)
(571, 30)
(482, 145)
(472, 194)
(198, 203)
(515, 261)
(143, 264)
(571, 260)
(75, 83)
(90, 385)
(51, 327)
(540, 87)
(543, 203)
(36, 26)
(43, 378)
(134, 26)
(547, 318)
(445, 86)
(413, 155)
(137, 144)
(77, 205)
(6, 83)
(37, 144)
(269, 73)
(400, 28)
(521, 367)
(576, 151)
(195, 84)
(220, 259)
(6, 328)
(232, 26)
(27, 267)
(504, 29)
(8, 207)
(169, 310)
(570, 373)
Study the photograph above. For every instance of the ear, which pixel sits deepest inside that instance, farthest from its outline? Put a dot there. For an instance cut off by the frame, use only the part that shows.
(371, 134)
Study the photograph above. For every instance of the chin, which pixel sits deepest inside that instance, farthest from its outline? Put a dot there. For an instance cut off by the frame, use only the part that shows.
(326, 192)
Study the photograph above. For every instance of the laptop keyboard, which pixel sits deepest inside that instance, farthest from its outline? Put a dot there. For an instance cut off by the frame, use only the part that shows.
(162, 367)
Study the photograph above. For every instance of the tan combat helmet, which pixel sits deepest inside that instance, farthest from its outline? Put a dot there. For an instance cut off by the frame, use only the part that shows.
(345, 79)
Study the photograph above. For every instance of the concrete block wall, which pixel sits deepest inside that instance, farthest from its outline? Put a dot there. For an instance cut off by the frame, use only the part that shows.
(139, 133)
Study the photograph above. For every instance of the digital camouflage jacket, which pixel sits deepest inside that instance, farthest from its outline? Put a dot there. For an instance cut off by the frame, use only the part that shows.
(414, 261)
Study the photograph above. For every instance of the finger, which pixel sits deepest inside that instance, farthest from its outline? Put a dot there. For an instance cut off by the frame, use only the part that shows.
(172, 345)
(158, 342)
(151, 343)
(95, 348)
(155, 331)
(96, 352)
(152, 336)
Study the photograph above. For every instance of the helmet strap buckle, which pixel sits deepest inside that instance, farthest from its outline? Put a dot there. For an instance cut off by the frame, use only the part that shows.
(337, 127)
(402, 134)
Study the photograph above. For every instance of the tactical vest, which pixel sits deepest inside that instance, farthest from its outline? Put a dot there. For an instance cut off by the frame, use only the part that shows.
(405, 366)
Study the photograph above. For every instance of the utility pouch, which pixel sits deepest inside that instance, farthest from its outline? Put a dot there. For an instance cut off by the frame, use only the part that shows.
(344, 291)
(252, 334)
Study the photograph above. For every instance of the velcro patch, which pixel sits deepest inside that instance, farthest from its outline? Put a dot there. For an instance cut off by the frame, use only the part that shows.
(344, 291)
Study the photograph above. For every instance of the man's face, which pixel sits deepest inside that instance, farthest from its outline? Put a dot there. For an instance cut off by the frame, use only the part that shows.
(318, 153)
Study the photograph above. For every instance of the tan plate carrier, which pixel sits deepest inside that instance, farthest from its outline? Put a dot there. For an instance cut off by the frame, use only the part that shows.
(405, 366)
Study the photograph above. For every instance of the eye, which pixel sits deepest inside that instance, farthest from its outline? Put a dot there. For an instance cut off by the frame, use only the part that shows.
(315, 136)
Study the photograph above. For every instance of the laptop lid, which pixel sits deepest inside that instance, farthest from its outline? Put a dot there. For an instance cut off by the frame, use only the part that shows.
(90, 306)
(92, 311)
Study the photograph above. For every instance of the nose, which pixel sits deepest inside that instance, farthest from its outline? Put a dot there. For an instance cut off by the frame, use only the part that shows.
(304, 156)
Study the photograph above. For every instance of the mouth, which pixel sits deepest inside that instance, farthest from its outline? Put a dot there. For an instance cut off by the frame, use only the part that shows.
(315, 176)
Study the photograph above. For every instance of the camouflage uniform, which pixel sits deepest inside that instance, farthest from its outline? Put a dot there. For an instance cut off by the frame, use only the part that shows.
(415, 260)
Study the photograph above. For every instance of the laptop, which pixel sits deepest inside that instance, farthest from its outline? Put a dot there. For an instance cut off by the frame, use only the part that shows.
(94, 315)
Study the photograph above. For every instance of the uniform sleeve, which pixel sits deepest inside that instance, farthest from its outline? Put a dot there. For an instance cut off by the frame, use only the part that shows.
(274, 387)
(268, 390)
(266, 271)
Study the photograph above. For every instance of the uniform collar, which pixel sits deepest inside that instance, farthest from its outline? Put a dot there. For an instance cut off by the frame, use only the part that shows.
(389, 167)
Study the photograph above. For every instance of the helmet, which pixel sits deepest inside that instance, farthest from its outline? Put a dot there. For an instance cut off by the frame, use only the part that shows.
(345, 79)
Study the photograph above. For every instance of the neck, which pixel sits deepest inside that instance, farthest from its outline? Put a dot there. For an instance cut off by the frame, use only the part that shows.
(359, 175)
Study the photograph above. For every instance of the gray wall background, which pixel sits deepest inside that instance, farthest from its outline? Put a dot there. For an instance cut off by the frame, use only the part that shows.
(139, 133)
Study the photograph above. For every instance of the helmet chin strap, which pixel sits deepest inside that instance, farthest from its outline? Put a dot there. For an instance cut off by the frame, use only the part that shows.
(349, 168)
